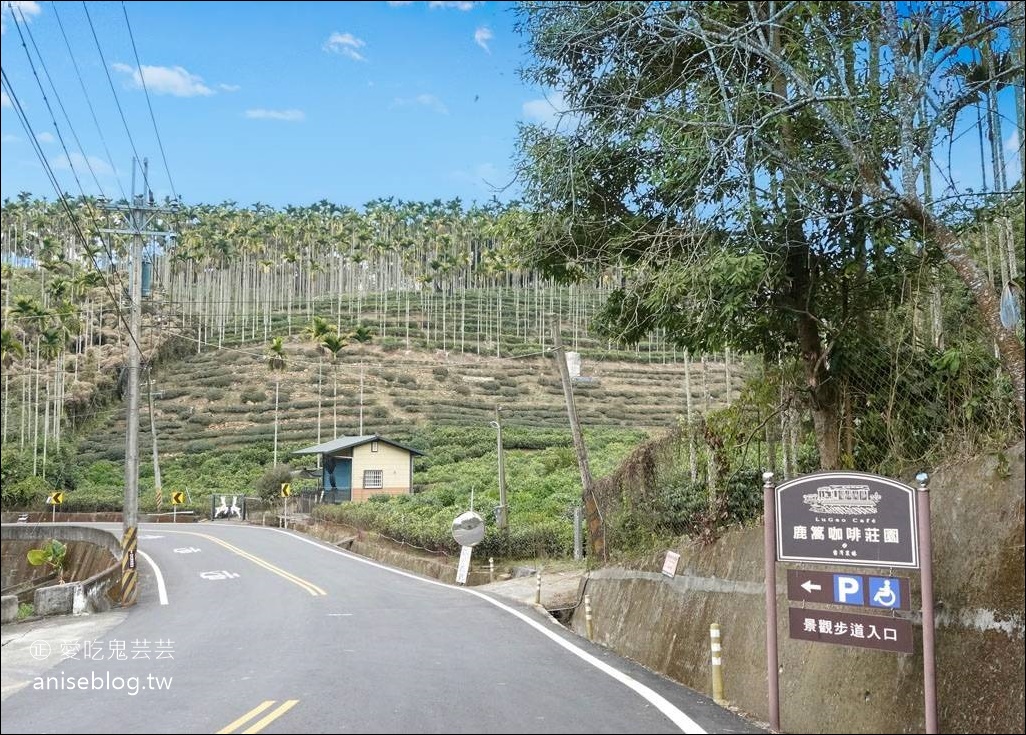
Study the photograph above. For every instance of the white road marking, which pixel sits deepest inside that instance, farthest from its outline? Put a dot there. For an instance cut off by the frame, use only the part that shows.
(161, 588)
(675, 715)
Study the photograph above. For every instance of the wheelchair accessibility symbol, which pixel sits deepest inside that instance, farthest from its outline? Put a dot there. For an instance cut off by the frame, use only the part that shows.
(884, 592)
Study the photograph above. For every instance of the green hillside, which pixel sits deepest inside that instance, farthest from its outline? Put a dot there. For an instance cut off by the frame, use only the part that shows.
(224, 399)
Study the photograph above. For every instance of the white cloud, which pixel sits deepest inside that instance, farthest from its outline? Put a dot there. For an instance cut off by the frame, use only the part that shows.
(424, 100)
(463, 5)
(45, 137)
(346, 44)
(1012, 142)
(550, 111)
(6, 102)
(10, 138)
(173, 80)
(482, 36)
(286, 115)
(98, 165)
(229, 87)
(27, 8)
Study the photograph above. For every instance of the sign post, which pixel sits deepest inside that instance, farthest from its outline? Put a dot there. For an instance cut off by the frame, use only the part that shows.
(850, 519)
(55, 499)
(286, 491)
(926, 580)
(769, 544)
(469, 530)
(177, 498)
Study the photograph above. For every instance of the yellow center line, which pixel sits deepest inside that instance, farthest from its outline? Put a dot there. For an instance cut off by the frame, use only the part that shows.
(246, 717)
(299, 581)
(272, 716)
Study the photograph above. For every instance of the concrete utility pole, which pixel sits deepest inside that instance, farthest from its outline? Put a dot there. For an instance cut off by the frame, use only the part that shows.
(140, 213)
(503, 508)
(596, 529)
(158, 490)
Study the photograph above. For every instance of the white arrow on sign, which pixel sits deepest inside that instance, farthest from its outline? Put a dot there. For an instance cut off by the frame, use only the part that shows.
(808, 586)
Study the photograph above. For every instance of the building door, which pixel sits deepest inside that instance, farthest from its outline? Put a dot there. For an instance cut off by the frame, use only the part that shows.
(338, 479)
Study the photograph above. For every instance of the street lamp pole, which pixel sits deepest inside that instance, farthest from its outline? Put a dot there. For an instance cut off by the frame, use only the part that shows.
(503, 511)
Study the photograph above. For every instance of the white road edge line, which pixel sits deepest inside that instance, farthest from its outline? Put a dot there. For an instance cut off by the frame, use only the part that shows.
(161, 588)
(675, 715)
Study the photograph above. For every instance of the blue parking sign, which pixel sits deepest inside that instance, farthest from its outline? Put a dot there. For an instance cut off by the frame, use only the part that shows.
(884, 592)
(848, 589)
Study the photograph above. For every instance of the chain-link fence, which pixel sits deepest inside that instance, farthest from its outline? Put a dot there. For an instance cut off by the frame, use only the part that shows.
(910, 386)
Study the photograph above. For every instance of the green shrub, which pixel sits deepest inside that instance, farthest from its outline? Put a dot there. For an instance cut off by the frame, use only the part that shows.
(254, 395)
(441, 373)
(26, 493)
(198, 446)
(268, 486)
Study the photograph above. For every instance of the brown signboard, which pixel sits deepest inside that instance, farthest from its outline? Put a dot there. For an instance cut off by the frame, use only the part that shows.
(851, 629)
(845, 588)
(847, 518)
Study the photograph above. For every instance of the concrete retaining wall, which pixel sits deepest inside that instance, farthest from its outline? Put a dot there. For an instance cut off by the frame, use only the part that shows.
(46, 516)
(397, 555)
(977, 512)
(92, 566)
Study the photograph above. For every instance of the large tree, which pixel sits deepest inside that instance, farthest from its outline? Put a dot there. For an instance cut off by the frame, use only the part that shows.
(752, 173)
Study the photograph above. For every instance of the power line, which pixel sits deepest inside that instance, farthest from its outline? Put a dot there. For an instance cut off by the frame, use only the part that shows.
(62, 197)
(60, 136)
(46, 100)
(89, 102)
(106, 70)
(60, 103)
(64, 146)
(142, 79)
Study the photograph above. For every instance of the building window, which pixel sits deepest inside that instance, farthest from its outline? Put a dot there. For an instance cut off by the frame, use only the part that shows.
(374, 446)
(372, 480)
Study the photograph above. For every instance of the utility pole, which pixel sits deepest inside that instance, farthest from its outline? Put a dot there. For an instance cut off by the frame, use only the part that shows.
(503, 510)
(157, 488)
(596, 529)
(140, 214)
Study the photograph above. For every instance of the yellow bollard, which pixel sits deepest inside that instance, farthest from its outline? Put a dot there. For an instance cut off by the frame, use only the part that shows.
(717, 673)
(587, 617)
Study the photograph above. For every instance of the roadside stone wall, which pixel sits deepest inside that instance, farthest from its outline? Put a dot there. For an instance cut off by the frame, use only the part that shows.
(977, 512)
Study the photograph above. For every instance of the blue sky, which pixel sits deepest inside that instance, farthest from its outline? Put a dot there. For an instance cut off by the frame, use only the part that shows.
(283, 103)
(292, 102)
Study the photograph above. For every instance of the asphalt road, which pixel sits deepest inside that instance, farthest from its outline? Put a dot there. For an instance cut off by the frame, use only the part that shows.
(268, 631)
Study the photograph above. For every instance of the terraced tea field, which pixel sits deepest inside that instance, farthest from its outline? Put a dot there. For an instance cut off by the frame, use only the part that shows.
(224, 399)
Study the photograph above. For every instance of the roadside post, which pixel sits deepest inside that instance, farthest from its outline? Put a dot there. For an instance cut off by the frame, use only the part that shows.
(469, 530)
(55, 499)
(286, 491)
(177, 498)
